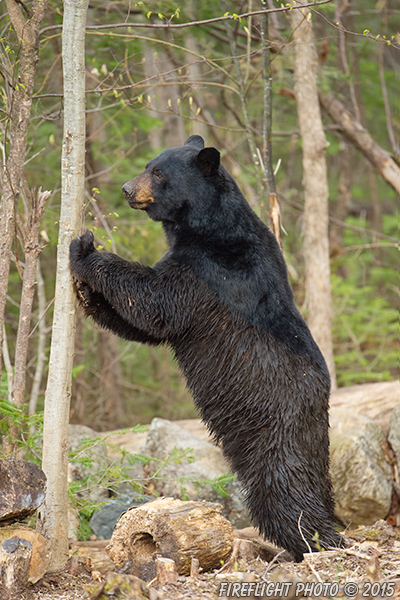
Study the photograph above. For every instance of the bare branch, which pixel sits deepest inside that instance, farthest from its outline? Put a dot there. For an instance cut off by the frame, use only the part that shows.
(361, 138)
(169, 25)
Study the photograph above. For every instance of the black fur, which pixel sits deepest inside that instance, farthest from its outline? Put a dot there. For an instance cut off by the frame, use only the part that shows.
(221, 299)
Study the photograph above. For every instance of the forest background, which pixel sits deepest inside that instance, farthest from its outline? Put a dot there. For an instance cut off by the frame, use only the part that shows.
(149, 88)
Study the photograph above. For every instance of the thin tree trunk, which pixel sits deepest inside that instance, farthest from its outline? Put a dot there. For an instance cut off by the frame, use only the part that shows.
(315, 224)
(27, 30)
(244, 104)
(54, 515)
(41, 347)
(270, 186)
(32, 249)
(343, 197)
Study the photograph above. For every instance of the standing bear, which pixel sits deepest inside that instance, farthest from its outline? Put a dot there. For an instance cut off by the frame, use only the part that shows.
(221, 299)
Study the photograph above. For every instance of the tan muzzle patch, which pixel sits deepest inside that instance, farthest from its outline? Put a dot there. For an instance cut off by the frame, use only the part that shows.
(143, 193)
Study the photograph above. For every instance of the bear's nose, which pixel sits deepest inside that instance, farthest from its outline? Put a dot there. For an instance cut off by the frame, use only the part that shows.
(128, 188)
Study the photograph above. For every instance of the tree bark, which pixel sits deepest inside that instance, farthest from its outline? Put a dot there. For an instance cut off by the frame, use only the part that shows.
(357, 134)
(173, 529)
(41, 347)
(54, 516)
(32, 249)
(315, 223)
(27, 30)
(343, 197)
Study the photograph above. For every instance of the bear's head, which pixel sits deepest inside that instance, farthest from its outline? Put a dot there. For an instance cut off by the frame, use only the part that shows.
(179, 181)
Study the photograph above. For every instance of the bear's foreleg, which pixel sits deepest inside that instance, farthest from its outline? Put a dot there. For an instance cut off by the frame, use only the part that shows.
(94, 305)
(155, 303)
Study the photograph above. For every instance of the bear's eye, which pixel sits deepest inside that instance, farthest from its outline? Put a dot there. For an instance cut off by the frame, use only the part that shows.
(157, 173)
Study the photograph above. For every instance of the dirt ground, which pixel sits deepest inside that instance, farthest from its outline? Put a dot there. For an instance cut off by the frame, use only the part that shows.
(368, 567)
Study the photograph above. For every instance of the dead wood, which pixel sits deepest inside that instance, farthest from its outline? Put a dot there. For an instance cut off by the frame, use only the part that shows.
(15, 555)
(357, 134)
(96, 552)
(166, 570)
(173, 529)
(24, 553)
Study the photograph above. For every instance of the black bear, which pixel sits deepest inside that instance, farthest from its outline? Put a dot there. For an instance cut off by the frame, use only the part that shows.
(220, 297)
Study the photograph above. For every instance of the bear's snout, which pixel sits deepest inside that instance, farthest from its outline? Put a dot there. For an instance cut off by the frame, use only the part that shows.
(129, 189)
(138, 191)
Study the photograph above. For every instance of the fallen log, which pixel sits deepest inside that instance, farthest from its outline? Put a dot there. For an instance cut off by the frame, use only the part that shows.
(15, 555)
(96, 551)
(173, 529)
(39, 551)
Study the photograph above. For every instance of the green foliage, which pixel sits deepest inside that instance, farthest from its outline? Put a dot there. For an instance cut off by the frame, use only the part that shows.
(366, 323)
(28, 427)
(105, 476)
(94, 473)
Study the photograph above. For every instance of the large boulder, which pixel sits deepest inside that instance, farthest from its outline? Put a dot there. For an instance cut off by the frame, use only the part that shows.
(394, 432)
(103, 521)
(361, 475)
(187, 478)
(23, 487)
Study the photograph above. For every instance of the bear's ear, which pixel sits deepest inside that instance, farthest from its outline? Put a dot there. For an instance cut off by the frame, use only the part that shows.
(196, 141)
(208, 160)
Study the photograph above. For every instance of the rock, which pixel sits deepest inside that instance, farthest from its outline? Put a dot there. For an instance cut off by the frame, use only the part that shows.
(23, 487)
(103, 521)
(381, 532)
(209, 463)
(361, 477)
(39, 554)
(394, 432)
(172, 529)
(120, 587)
(97, 455)
(373, 400)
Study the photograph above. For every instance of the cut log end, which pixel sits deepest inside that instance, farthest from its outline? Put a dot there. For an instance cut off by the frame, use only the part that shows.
(170, 529)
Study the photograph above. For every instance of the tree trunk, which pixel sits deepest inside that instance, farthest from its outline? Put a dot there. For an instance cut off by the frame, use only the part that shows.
(343, 197)
(32, 249)
(54, 516)
(27, 31)
(41, 347)
(315, 224)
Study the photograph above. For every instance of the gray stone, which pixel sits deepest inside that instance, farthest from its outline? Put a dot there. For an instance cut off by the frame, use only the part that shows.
(394, 432)
(103, 521)
(22, 490)
(361, 476)
(176, 479)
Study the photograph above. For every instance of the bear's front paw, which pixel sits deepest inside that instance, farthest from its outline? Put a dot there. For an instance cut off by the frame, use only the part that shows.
(80, 248)
(84, 293)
